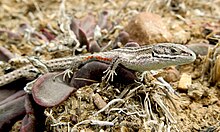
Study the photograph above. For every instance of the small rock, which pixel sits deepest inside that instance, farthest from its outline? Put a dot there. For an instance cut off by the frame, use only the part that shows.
(195, 106)
(216, 52)
(218, 103)
(123, 37)
(98, 101)
(210, 97)
(172, 75)
(196, 91)
(147, 28)
(185, 82)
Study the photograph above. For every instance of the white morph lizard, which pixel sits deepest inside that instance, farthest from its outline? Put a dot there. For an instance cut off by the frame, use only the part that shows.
(139, 59)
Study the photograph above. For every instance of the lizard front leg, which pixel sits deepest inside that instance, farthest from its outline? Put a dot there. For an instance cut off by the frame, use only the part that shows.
(40, 68)
(68, 73)
(110, 72)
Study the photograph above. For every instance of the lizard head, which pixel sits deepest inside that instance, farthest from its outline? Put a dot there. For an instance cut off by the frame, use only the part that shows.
(173, 54)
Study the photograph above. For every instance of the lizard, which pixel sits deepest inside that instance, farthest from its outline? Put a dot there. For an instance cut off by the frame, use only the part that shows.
(140, 59)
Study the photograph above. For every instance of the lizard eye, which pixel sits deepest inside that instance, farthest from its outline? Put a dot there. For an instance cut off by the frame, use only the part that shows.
(174, 51)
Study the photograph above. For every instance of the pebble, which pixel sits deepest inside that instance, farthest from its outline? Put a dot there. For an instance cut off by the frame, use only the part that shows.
(195, 106)
(123, 37)
(98, 101)
(172, 75)
(185, 82)
(148, 28)
(196, 91)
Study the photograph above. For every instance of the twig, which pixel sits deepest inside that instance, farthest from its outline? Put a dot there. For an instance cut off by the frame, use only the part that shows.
(145, 105)
(49, 114)
(129, 113)
(135, 89)
(164, 108)
(150, 109)
(167, 85)
(95, 122)
(108, 105)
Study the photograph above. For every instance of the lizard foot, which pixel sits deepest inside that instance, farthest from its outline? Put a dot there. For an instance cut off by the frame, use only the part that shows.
(66, 73)
(109, 74)
(28, 87)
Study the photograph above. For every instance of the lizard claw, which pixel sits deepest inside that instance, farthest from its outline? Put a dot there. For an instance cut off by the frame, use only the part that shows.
(109, 74)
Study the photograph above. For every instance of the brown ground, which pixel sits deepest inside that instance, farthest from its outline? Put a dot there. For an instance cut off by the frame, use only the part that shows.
(195, 21)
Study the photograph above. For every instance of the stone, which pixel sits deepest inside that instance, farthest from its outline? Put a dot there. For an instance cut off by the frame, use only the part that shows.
(185, 82)
(99, 101)
(172, 75)
(196, 91)
(148, 28)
